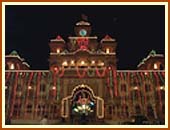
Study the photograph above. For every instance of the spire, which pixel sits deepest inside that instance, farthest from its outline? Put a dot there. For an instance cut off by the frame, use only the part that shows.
(153, 52)
(84, 17)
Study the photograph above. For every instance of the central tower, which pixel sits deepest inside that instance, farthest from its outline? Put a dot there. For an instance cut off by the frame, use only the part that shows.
(82, 50)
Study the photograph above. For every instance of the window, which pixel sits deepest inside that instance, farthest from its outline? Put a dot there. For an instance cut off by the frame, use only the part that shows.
(135, 94)
(58, 50)
(29, 108)
(150, 111)
(42, 88)
(30, 93)
(123, 87)
(19, 88)
(155, 66)
(110, 110)
(51, 93)
(147, 87)
(17, 110)
(12, 66)
(138, 109)
(107, 50)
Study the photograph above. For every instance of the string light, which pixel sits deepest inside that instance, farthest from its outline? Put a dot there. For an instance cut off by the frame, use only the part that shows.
(92, 62)
(82, 62)
(72, 62)
(29, 87)
(54, 87)
(161, 88)
(65, 63)
(58, 50)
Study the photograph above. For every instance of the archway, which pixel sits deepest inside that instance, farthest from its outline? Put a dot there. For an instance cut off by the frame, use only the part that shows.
(82, 104)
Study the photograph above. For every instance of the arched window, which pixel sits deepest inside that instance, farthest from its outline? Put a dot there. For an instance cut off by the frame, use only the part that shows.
(147, 88)
(110, 110)
(150, 111)
(42, 88)
(12, 66)
(123, 87)
(137, 109)
(29, 108)
(17, 110)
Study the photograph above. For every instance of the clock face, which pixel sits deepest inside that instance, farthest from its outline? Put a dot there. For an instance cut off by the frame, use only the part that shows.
(83, 32)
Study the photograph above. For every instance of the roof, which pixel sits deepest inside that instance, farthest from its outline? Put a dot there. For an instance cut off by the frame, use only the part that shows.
(107, 38)
(14, 54)
(58, 39)
(82, 23)
(25, 63)
(151, 54)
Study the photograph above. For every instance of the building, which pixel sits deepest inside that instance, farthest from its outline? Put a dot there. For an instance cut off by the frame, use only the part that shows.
(152, 62)
(83, 80)
(14, 62)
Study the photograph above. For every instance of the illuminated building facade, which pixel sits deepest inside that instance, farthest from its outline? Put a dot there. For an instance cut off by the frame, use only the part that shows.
(83, 80)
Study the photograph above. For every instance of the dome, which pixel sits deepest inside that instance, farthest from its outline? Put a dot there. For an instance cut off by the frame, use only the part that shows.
(82, 23)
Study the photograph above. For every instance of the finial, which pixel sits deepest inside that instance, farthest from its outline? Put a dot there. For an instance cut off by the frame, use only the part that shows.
(84, 17)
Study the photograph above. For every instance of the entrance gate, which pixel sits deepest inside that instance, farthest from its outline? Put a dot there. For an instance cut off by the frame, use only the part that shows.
(82, 103)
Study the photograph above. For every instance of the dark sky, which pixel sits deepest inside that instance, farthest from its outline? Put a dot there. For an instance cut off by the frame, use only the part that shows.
(137, 29)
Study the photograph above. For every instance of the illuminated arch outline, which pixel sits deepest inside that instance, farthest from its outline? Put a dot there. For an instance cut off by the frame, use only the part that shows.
(65, 114)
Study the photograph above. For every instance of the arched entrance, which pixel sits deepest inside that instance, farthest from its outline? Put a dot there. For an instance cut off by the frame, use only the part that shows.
(82, 105)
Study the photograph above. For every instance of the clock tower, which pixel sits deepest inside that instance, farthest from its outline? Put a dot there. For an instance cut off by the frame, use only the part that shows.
(82, 28)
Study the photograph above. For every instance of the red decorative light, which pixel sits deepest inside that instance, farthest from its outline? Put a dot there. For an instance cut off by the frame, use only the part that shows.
(81, 75)
(58, 37)
(55, 68)
(83, 43)
(100, 74)
(107, 37)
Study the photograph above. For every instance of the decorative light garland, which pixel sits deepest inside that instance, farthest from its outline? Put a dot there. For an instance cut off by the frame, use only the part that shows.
(38, 89)
(162, 79)
(58, 88)
(12, 79)
(81, 75)
(14, 93)
(143, 79)
(152, 82)
(138, 90)
(159, 91)
(101, 74)
(27, 92)
(110, 84)
(8, 76)
(115, 82)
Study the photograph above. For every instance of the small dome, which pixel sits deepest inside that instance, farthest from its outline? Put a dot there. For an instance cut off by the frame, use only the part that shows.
(14, 53)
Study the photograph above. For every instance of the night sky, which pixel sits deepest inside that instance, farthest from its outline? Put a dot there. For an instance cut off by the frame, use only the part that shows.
(137, 29)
